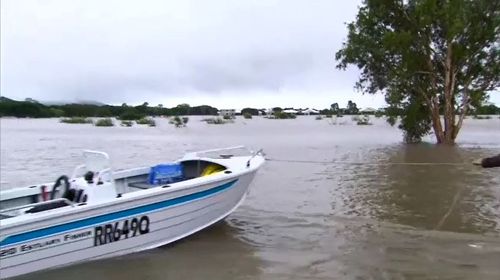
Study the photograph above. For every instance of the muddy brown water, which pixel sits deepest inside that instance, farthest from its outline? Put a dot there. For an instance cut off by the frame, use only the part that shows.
(333, 202)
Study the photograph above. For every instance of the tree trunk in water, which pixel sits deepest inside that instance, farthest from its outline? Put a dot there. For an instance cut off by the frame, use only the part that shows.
(438, 131)
(449, 108)
(449, 133)
(436, 121)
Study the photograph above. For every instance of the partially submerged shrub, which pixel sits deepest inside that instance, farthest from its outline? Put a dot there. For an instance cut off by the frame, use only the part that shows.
(104, 122)
(364, 120)
(127, 123)
(247, 115)
(178, 121)
(76, 120)
(217, 120)
(319, 117)
(148, 121)
(479, 117)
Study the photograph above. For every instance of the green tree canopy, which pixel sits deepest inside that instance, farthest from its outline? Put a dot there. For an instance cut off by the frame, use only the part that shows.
(352, 108)
(335, 108)
(428, 57)
(487, 110)
(251, 111)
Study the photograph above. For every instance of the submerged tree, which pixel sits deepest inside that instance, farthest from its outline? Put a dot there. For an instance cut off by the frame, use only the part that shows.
(429, 57)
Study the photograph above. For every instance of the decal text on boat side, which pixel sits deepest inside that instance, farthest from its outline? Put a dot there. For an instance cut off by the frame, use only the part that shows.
(7, 252)
(47, 243)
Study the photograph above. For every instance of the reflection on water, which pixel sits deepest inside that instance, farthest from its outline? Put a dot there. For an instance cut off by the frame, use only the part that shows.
(216, 253)
(420, 195)
(342, 220)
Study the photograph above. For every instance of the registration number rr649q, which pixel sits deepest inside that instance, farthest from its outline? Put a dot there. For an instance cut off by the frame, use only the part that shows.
(113, 232)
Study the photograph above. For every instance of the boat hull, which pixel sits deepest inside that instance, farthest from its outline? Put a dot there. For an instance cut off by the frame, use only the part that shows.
(122, 228)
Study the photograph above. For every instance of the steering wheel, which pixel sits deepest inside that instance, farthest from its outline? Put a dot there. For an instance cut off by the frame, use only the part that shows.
(63, 179)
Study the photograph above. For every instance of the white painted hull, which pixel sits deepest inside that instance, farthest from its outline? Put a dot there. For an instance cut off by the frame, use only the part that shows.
(74, 237)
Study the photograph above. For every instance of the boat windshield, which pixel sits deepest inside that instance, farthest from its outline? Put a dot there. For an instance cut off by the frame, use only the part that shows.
(225, 153)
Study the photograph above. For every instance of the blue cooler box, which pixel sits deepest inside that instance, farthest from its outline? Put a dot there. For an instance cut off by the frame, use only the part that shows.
(165, 174)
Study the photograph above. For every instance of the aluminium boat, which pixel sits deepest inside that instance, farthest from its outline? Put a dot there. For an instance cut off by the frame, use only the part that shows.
(100, 213)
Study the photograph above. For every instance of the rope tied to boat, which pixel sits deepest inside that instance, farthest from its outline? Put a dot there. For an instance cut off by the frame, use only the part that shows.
(365, 163)
(443, 219)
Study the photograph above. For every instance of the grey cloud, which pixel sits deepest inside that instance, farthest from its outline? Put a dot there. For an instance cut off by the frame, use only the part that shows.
(127, 51)
(269, 72)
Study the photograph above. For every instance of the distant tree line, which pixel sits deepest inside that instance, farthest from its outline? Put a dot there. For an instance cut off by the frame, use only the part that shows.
(487, 110)
(334, 109)
(352, 109)
(33, 109)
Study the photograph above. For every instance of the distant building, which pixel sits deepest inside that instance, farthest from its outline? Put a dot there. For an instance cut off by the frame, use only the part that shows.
(368, 110)
(290, 111)
(308, 111)
(227, 112)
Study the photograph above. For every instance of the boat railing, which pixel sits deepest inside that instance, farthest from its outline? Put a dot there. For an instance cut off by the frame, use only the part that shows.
(222, 149)
(68, 202)
(259, 152)
(221, 152)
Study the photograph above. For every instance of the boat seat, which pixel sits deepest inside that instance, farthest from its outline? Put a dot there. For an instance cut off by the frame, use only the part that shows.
(48, 206)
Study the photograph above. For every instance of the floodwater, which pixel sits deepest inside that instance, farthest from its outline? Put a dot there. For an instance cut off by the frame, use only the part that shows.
(333, 202)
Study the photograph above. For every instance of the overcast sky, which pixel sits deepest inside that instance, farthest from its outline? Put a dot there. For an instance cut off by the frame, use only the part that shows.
(224, 53)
